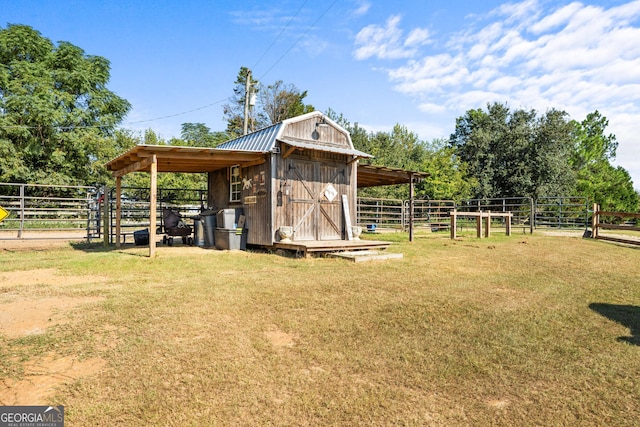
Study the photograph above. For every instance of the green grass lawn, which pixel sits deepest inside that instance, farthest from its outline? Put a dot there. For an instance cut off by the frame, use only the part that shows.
(523, 330)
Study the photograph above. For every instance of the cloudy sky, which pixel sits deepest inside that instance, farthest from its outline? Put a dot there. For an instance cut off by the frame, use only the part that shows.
(418, 63)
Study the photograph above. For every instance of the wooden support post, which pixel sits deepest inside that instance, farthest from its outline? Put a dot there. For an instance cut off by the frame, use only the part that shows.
(487, 227)
(453, 226)
(411, 195)
(508, 224)
(152, 206)
(479, 225)
(118, 209)
(532, 217)
(105, 216)
(595, 220)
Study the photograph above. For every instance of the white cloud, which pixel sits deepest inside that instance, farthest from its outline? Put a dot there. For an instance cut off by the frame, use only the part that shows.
(417, 37)
(431, 108)
(363, 8)
(386, 42)
(575, 57)
(556, 19)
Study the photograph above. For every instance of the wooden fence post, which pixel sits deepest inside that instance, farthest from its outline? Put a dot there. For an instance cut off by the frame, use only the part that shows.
(595, 220)
(454, 224)
(106, 217)
(487, 227)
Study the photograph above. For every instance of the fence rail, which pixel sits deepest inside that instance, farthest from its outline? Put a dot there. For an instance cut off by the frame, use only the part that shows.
(628, 226)
(33, 209)
(135, 207)
(79, 210)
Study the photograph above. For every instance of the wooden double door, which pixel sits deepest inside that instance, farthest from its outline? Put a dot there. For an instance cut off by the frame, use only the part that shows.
(315, 204)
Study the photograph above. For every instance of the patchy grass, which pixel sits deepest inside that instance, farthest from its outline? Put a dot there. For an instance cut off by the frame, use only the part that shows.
(521, 330)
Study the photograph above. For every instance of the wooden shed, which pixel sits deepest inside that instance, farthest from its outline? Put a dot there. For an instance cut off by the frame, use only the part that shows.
(300, 175)
(307, 184)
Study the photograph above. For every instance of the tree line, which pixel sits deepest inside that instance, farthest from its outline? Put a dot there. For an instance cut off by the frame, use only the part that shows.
(59, 124)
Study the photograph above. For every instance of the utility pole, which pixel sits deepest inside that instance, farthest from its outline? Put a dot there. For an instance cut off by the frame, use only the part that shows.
(247, 95)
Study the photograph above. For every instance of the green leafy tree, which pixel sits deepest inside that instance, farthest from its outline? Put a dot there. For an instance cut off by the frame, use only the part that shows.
(514, 154)
(57, 115)
(279, 101)
(199, 135)
(167, 180)
(275, 103)
(448, 178)
(593, 150)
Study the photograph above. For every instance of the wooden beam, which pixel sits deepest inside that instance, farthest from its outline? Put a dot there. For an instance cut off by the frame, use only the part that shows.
(411, 197)
(289, 152)
(252, 163)
(152, 206)
(118, 209)
(135, 167)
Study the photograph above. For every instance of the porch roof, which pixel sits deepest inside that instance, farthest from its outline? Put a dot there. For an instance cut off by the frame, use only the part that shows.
(181, 159)
(374, 175)
(201, 159)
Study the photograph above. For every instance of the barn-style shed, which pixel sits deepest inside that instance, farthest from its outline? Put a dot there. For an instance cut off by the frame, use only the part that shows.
(306, 186)
(295, 182)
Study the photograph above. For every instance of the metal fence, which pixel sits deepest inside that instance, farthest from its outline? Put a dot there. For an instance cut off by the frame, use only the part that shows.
(135, 207)
(396, 213)
(528, 214)
(562, 212)
(77, 211)
(70, 211)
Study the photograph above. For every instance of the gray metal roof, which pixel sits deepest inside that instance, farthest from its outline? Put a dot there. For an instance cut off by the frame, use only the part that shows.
(261, 141)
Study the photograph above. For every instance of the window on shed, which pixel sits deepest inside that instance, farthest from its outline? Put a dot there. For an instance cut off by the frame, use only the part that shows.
(236, 183)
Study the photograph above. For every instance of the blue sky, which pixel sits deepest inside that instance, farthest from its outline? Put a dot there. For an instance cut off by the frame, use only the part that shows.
(417, 63)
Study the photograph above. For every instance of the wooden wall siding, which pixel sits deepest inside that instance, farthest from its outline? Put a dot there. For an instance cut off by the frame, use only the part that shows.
(258, 214)
(257, 204)
(218, 190)
(323, 135)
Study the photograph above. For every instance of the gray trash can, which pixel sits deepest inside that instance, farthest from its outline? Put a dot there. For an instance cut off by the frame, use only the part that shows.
(198, 231)
(209, 225)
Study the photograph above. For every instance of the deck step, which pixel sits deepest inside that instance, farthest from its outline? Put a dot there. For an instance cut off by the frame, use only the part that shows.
(363, 256)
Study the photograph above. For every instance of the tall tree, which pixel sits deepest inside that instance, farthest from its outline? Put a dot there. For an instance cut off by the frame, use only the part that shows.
(448, 178)
(280, 101)
(56, 113)
(199, 135)
(593, 150)
(514, 154)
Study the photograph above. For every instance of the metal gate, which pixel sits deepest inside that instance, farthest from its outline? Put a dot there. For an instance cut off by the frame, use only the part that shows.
(50, 212)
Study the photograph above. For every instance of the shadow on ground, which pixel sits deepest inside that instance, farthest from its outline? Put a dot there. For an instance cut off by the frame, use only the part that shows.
(626, 315)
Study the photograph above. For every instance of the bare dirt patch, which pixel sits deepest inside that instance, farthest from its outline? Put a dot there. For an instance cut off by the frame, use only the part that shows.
(43, 375)
(34, 316)
(280, 339)
(44, 276)
(23, 314)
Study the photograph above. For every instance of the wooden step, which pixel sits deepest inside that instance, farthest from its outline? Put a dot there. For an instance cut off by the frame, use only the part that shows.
(363, 256)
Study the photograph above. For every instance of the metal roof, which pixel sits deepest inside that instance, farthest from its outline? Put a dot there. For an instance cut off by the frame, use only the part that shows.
(261, 141)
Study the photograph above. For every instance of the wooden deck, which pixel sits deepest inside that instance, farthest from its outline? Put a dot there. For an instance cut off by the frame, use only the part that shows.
(320, 246)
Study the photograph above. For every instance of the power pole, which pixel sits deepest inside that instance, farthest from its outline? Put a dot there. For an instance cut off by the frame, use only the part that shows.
(247, 94)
